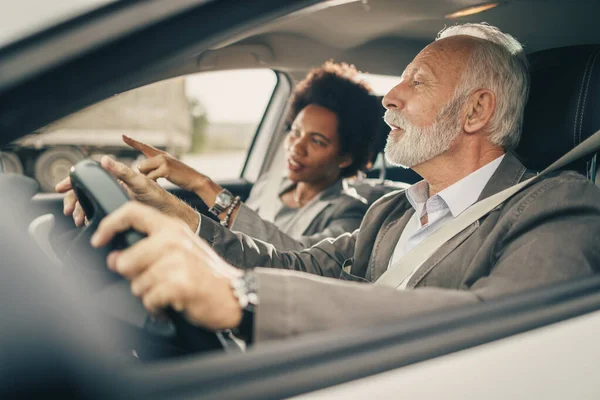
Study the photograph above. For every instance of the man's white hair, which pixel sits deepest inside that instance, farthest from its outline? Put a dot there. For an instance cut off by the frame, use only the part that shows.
(498, 64)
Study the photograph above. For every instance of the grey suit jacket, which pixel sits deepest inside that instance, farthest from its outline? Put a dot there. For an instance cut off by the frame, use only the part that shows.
(332, 212)
(546, 233)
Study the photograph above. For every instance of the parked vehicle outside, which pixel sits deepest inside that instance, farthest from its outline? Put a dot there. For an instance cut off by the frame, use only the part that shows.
(157, 114)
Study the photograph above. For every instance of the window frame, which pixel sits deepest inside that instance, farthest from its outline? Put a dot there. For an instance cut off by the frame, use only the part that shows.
(266, 141)
(266, 130)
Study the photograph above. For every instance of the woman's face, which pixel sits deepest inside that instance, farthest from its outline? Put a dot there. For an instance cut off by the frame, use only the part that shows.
(313, 147)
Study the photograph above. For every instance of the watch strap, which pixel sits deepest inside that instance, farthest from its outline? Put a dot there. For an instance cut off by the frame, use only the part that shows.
(219, 207)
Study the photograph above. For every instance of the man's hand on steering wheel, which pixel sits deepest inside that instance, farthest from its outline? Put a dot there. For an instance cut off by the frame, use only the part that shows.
(138, 187)
(172, 267)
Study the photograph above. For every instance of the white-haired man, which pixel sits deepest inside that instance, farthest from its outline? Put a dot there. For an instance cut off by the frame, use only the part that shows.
(455, 115)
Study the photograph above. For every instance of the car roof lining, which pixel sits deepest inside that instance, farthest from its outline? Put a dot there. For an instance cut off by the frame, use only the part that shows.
(293, 44)
(383, 36)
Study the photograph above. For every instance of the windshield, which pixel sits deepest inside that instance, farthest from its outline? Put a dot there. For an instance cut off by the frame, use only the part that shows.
(25, 17)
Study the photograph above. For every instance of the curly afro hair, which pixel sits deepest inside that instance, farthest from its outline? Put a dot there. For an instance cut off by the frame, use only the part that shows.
(336, 87)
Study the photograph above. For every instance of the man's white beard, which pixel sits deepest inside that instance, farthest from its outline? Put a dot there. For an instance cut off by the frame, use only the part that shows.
(420, 144)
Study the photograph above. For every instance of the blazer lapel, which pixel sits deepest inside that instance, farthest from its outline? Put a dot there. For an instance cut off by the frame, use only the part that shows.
(442, 253)
(266, 201)
(385, 244)
(306, 215)
(509, 173)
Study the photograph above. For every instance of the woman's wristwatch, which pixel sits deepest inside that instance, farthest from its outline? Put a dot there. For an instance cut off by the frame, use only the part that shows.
(222, 202)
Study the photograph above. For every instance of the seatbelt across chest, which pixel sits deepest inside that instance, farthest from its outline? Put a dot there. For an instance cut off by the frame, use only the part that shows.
(417, 256)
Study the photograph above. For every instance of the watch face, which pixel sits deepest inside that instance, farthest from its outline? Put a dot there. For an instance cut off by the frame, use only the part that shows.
(225, 198)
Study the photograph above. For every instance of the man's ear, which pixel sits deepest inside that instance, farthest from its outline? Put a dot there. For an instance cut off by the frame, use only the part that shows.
(480, 108)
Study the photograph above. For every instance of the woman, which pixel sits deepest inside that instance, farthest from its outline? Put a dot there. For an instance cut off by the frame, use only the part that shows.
(332, 122)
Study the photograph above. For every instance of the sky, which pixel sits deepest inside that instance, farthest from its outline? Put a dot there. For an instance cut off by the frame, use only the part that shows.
(234, 96)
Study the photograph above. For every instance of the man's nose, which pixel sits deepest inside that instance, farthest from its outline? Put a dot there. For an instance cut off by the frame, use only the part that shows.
(394, 98)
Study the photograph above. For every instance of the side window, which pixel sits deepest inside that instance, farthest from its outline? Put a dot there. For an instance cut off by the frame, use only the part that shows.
(207, 119)
(227, 108)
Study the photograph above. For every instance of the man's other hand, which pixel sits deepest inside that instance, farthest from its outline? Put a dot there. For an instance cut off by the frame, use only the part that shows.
(171, 267)
(138, 187)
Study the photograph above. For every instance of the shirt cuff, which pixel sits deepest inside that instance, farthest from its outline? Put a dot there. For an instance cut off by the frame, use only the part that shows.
(197, 233)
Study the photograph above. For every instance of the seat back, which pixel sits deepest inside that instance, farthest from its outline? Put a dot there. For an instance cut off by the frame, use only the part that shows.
(563, 107)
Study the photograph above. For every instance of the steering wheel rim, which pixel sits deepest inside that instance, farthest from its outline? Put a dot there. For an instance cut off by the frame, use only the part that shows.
(90, 182)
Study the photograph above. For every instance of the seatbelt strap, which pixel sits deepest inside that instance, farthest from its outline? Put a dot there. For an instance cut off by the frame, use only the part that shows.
(417, 256)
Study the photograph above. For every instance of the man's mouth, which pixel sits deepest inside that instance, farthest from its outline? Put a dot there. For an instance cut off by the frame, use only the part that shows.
(394, 128)
(393, 125)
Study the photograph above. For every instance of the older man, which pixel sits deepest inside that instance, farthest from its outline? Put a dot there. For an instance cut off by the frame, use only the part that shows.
(455, 115)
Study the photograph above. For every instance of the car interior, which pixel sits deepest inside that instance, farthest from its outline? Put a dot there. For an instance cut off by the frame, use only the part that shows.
(379, 37)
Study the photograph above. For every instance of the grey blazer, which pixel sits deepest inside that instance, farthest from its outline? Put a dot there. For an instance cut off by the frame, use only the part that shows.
(332, 212)
(546, 233)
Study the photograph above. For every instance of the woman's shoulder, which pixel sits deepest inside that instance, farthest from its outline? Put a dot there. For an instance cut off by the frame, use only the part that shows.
(349, 199)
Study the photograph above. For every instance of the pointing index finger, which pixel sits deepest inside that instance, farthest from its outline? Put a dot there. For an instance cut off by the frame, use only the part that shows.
(145, 149)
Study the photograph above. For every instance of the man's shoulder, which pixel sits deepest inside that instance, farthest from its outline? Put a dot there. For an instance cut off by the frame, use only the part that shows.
(389, 201)
(558, 190)
(563, 181)
(348, 202)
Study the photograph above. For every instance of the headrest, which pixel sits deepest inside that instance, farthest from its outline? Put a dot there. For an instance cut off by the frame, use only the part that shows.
(564, 104)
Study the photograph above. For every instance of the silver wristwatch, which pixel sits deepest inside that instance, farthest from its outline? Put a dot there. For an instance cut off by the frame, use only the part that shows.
(245, 289)
(223, 200)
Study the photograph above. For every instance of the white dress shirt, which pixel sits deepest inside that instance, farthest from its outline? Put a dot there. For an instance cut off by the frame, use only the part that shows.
(440, 208)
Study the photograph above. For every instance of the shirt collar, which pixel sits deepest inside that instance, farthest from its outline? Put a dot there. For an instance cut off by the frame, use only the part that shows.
(417, 196)
(459, 196)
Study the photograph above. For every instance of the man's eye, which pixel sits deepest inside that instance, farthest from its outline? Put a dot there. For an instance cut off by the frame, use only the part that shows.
(417, 83)
(319, 142)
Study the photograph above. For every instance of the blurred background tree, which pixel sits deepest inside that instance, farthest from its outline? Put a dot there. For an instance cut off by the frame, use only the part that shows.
(199, 124)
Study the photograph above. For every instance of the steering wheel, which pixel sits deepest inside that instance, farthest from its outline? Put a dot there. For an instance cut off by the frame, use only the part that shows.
(100, 194)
